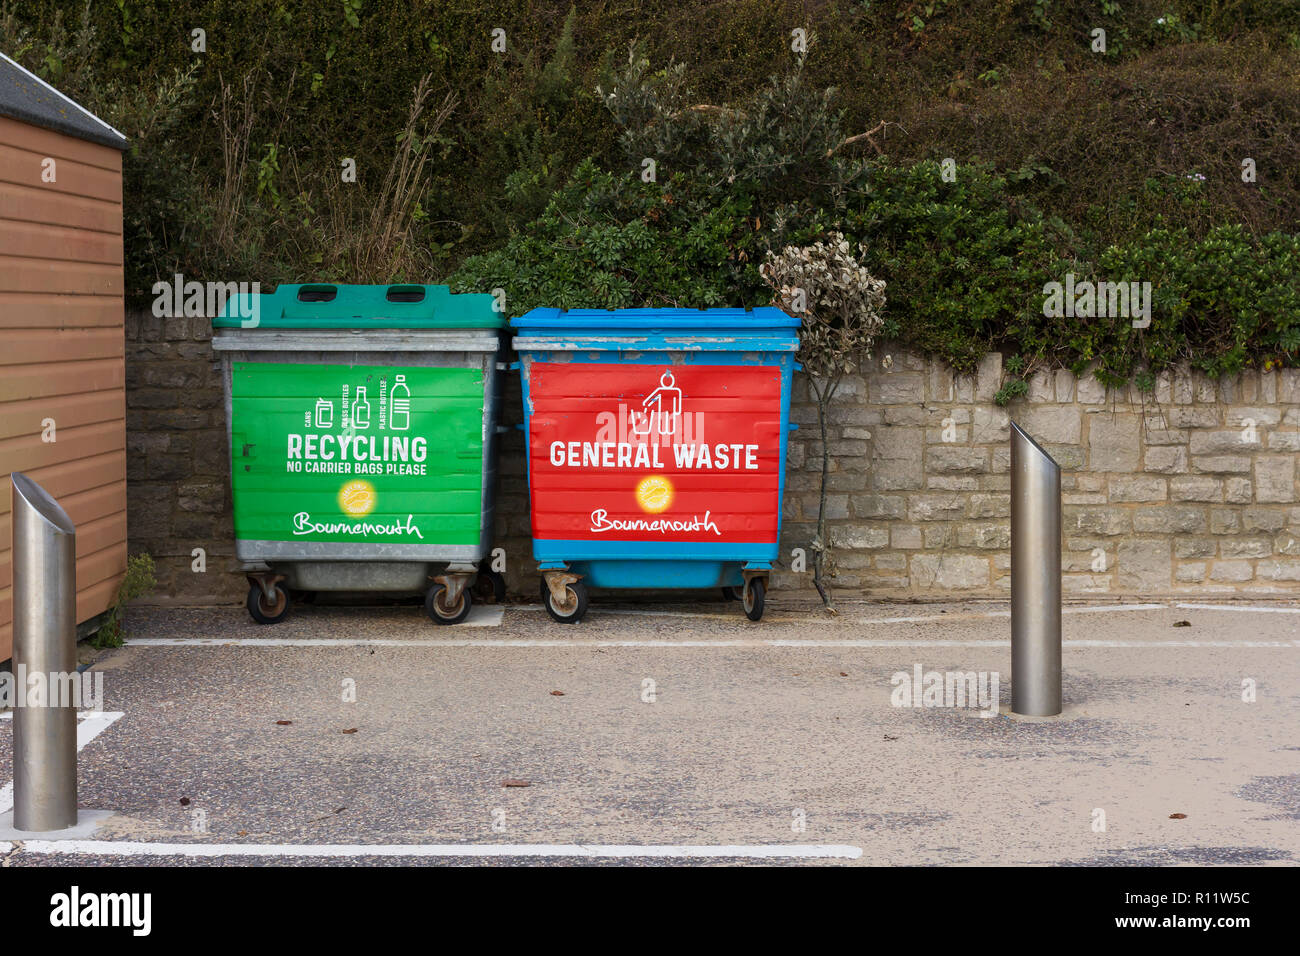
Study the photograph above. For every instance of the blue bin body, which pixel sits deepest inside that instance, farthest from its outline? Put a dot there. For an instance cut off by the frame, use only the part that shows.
(671, 388)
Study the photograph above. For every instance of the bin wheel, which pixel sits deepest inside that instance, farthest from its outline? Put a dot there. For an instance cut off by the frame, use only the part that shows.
(575, 604)
(755, 589)
(731, 593)
(435, 604)
(264, 613)
(490, 587)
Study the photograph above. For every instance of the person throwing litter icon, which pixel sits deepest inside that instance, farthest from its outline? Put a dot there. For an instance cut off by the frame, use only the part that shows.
(665, 414)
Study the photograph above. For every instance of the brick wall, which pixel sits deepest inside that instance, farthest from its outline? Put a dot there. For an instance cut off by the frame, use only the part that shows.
(1163, 493)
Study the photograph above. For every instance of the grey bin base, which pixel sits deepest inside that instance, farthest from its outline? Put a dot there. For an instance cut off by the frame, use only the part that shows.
(411, 577)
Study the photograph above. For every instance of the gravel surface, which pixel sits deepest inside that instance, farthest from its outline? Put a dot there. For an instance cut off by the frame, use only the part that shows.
(701, 745)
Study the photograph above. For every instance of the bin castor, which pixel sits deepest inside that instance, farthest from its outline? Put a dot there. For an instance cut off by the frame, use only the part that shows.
(434, 603)
(575, 605)
(261, 611)
(731, 593)
(490, 587)
(755, 589)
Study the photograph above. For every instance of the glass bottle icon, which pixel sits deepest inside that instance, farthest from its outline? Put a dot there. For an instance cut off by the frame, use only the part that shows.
(360, 409)
(399, 405)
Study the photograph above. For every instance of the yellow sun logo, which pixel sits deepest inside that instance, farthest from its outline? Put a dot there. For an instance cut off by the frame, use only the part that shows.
(655, 493)
(357, 498)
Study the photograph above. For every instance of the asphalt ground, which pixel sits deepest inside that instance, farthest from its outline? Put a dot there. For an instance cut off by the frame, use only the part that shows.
(685, 734)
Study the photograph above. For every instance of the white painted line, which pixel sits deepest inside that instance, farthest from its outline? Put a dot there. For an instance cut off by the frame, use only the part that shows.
(90, 726)
(1106, 607)
(6, 847)
(817, 619)
(753, 852)
(966, 615)
(841, 642)
(1181, 643)
(453, 642)
(94, 723)
(481, 615)
(638, 612)
(1234, 607)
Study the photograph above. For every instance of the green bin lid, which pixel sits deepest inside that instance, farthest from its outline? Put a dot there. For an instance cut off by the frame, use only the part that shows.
(322, 305)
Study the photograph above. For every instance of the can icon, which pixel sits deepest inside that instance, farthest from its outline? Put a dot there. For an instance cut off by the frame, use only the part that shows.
(324, 413)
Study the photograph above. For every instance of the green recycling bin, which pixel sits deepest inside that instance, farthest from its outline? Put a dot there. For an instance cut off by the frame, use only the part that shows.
(362, 423)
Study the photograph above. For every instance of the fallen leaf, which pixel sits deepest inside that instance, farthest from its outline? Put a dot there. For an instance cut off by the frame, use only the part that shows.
(350, 730)
(242, 833)
(284, 723)
(842, 674)
(1182, 623)
(557, 693)
(516, 783)
(1177, 816)
(887, 737)
(185, 801)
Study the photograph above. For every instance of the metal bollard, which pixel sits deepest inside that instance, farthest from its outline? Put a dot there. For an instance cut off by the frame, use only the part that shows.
(1035, 578)
(45, 643)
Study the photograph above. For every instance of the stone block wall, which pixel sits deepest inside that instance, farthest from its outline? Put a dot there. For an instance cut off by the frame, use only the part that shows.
(178, 467)
(1187, 490)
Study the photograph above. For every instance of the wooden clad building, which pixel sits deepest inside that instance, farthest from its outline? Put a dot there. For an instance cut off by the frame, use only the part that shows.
(62, 371)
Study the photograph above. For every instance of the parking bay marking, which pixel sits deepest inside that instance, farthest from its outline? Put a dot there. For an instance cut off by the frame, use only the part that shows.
(621, 851)
(90, 725)
(542, 643)
(1240, 608)
(845, 621)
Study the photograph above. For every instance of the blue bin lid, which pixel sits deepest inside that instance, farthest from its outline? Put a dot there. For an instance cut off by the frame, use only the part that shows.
(762, 320)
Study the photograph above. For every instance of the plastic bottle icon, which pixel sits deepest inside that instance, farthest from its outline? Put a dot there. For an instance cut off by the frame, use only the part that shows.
(360, 409)
(399, 405)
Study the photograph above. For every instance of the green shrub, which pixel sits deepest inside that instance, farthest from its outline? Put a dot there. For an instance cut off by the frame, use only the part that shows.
(1223, 303)
(138, 580)
(965, 261)
(1068, 161)
(610, 241)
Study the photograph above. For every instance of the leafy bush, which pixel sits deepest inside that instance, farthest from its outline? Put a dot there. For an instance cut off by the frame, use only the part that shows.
(840, 303)
(966, 252)
(1068, 160)
(727, 184)
(610, 241)
(138, 580)
(967, 263)
(1222, 303)
(965, 260)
